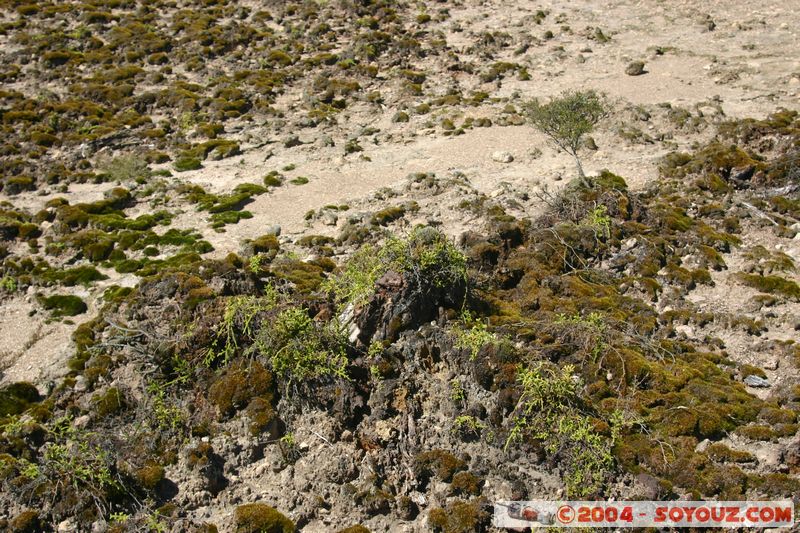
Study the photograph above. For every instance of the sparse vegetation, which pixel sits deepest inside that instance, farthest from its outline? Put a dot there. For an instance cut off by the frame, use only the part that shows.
(354, 375)
(550, 411)
(301, 350)
(474, 337)
(426, 255)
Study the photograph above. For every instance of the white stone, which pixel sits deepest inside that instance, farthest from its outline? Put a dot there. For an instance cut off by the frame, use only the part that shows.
(502, 157)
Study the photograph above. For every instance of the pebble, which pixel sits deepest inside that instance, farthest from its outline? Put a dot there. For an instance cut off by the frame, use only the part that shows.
(80, 384)
(756, 381)
(770, 363)
(330, 219)
(82, 421)
(292, 141)
(635, 68)
(502, 157)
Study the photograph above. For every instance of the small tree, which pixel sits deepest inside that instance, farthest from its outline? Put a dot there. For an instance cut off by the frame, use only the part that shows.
(567, 119)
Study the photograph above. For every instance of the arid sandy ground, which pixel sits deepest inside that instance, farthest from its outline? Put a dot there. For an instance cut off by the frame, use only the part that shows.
(746, 66)
(704, 63)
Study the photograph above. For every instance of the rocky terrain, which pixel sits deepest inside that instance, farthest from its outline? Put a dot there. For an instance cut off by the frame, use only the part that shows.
(278, 266)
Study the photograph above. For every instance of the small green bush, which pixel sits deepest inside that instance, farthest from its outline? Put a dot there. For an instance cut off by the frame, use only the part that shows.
(108, 403)
(550, 412)
(261, 518)
(771, 284)
(26, 522)
(16, 397)
(184, 164)
(149, 476)
(354, 529)
(273, 179)
(439, 463)
(64, 305)
(426, 254)
(301, 349)
(459, 517)
(127, 168)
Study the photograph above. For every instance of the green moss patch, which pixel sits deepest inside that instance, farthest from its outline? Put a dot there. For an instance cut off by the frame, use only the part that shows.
(17, 397)
(64, 305)
(771, 284)
(260, 517)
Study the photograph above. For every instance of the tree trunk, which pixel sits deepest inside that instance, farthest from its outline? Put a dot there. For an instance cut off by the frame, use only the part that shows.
(581, 175)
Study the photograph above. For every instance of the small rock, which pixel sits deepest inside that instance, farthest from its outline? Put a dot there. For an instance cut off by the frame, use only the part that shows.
(649, 486)
(326, 140)
(81, 384)
(768, 457)
(45, 388)
(502, 157)
(292, 141)
(770, 363)
(792, 457)
(353, 333)
(685, 329)
(708, 22)
(275, 229)
(756, 381)
(635, 68)
(329, 218)
(82, 421)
